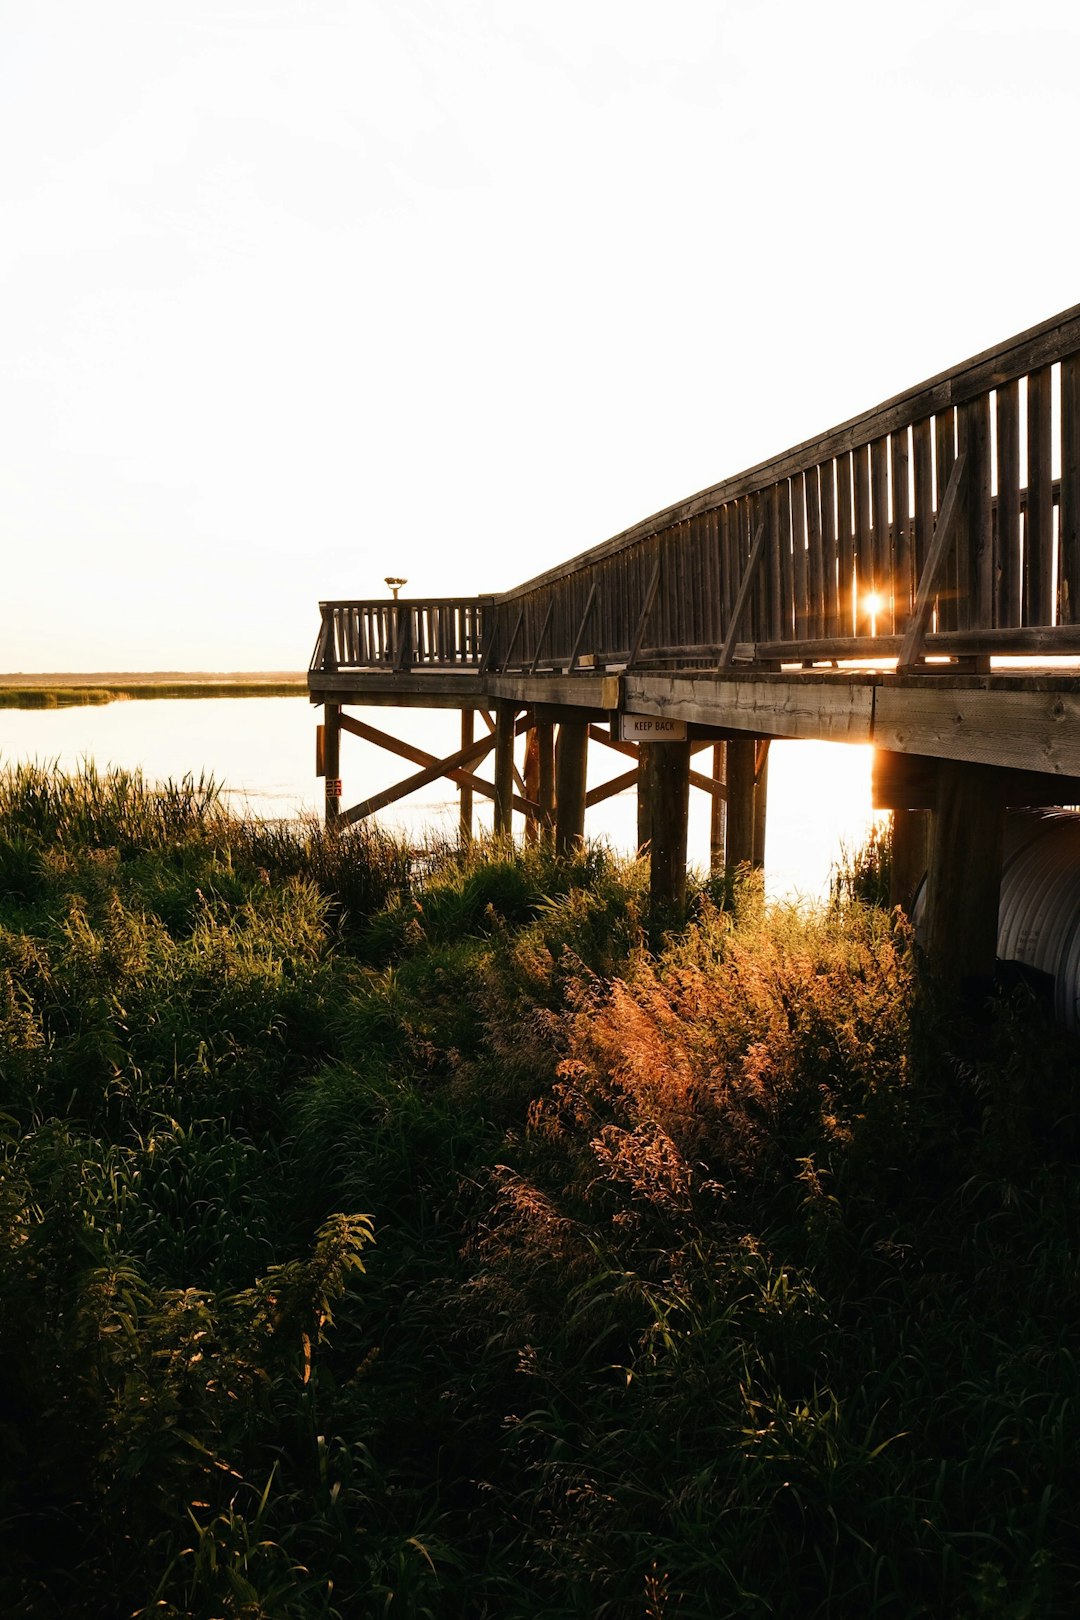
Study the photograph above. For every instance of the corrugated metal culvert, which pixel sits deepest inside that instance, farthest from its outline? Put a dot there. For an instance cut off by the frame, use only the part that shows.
(1039, 915)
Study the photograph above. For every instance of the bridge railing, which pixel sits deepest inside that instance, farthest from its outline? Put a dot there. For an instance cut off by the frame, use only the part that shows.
(946, 520)
(444, 633)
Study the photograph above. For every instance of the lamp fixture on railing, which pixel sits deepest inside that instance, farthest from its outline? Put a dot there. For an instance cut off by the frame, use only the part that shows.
(395, 584)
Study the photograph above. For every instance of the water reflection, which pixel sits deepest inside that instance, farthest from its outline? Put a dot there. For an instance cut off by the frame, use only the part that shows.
(263, 749)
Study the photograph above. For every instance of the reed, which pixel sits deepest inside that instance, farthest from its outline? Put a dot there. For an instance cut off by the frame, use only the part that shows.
(392, 1234)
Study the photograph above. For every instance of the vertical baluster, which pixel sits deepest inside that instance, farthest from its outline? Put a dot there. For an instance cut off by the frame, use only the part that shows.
(815, 564)
(1010, 566)
(775, 599)
(1039, 522)
(923, 456)
(883, 559)
(944, 457)
(881, 535)
(1069, 510)
(800, 569)
(865, 571)
(903, 592)
(845, 542)
(830, 586)
(977, 608)
(787, 560)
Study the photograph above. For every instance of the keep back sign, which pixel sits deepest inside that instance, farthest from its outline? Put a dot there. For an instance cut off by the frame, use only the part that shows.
(646, 728)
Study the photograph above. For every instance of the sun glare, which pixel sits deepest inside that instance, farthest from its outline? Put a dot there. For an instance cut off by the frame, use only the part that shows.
(873, 603)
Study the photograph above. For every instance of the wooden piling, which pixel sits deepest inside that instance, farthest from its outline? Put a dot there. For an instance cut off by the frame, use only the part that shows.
(964, 880)
(532, 784)
(740, 802)
(465, 792)
(761, 797)
(545, 743)
(505, 717)
(331, 761)
(670, 794)
(718, 811)
(571, 755)
(644, 799)
(910, 856)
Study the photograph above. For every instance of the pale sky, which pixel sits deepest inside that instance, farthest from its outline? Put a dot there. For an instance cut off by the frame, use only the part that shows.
(299, 293)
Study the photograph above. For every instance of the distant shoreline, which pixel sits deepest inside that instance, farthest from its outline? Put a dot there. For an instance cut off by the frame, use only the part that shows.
(64, 690)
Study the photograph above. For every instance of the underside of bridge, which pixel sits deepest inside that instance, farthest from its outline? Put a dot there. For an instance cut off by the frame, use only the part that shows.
(909, 579)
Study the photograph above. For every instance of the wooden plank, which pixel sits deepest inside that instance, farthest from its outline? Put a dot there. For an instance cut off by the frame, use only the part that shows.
(780, 707)
(746, 586)
(923, 467)
(1069, 508)
(1039, 511)
(1025, 730)
(929, 584)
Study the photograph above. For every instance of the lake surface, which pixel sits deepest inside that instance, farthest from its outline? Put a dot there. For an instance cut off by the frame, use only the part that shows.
(263, 751)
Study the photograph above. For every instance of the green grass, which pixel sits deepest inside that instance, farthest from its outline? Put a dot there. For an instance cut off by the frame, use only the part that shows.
(49, 696)
(382, 1237)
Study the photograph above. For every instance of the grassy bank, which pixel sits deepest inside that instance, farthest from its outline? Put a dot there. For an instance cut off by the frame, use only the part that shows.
(381, 1244)
(68, 690)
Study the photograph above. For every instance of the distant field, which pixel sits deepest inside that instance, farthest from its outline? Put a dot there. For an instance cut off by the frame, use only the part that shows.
(54, 691)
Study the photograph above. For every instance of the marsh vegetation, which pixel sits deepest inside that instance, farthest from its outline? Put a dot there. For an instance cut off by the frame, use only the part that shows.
(382, 1237)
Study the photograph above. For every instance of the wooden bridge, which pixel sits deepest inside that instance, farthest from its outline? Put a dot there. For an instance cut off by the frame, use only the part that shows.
(878, 584)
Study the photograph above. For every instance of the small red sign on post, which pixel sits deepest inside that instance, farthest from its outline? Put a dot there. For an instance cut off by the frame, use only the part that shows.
(333, 787)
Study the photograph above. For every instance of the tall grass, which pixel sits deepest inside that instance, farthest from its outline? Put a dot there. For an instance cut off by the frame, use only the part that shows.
(383, 1236)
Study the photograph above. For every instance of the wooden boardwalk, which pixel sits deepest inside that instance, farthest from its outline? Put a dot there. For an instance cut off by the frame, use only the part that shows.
(870, 585)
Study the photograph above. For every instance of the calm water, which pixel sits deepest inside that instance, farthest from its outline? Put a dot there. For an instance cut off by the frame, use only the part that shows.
(263, 750)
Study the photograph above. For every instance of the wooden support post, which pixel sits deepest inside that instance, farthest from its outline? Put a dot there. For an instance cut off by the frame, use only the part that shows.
(545, 744)
(644, 799)
(465, 792)
(964, 881)
(761, 797)
(532, 784)
(910, 855)
(571, 755)
(718, 810)
(505, 716)
(331, 760)
(670, 793)
(740, 802)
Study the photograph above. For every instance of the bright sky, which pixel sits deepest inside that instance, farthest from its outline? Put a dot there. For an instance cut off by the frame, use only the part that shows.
(299, 293)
